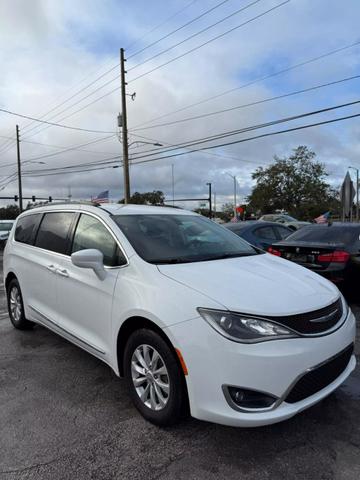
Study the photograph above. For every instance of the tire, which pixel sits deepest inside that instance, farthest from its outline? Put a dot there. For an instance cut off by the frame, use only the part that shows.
(164, 393)
(16, 306)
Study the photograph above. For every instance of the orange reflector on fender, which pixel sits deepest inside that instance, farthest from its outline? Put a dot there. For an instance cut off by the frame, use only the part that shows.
(182, 361)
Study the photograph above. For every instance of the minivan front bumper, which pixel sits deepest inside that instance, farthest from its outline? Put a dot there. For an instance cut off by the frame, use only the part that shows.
(214, 362)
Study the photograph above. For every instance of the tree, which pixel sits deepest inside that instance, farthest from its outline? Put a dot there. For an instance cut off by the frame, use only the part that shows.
(10, 212)
(296, 184)
(156, 197)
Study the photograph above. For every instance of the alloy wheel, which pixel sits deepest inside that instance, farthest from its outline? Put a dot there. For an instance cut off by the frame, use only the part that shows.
(150, 377)
(15, 304)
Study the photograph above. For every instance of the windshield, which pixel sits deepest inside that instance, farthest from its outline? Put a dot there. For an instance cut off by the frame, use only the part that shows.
(325, 233)
(180, 238)
(5, 227)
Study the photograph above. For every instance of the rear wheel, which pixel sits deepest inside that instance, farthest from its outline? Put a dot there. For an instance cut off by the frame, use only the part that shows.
(154, 378)
(16, 306)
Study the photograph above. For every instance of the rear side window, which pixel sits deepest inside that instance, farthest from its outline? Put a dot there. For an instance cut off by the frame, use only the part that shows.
(54, 230)
(91, 233)
(282, 232)
(265, 232)
(26, 228)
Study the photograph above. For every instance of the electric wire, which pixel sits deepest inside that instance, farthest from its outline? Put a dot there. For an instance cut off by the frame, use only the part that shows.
(252, 82)
(227, 32)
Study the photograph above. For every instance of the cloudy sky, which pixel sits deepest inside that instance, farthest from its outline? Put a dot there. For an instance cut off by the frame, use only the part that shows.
(59, 62)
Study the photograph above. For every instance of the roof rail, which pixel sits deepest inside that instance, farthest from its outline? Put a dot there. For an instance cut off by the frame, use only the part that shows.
(72, 202)
(69, 203)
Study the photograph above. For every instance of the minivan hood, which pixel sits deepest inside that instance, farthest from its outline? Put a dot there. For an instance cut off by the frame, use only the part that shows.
(260, 284)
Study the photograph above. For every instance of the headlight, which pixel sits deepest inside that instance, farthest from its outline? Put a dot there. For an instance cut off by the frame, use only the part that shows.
(346, 307)
(242, 328)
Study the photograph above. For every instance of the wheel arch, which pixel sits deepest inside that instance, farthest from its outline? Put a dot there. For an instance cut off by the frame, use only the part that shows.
(129, 326)
(10, 276)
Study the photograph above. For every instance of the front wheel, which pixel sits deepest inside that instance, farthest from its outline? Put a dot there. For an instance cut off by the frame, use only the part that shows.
(16, 306)
(154, 378)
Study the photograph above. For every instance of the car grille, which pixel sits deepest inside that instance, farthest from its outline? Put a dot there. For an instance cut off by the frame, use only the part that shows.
(317, 321)
(320, 377)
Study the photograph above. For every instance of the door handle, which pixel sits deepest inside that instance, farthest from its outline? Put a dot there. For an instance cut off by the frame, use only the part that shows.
(63, 272)
(51, 268)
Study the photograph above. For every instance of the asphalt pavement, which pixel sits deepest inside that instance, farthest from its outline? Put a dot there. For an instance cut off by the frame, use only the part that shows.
(64, 415)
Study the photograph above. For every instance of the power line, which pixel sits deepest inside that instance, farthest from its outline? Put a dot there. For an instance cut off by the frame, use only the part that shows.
(227, 32)
(178, 29)
(247, 129)
(207, 139)
(73, 96)
(117, 76)
(161, 24)
(194, 34)
(264, 135)
(252, 82)
(72, 148)
(245, 105)
(53, 124)
(66, 172)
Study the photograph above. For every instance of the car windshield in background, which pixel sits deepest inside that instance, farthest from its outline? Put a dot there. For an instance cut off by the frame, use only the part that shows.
(166, 239)
(5, 227)
(287, 218)
(326, 234)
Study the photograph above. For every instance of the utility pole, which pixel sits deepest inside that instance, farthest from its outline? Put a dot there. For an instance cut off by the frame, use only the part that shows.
(124, 129)
(210, 200)
(19, 168)
(173, 184)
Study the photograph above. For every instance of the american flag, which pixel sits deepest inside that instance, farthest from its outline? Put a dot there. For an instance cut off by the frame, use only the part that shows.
(324, 218)
(103, 197)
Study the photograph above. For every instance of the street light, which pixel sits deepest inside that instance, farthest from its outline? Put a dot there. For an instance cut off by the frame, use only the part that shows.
(210, 202)
(357, 191)
(235, 181)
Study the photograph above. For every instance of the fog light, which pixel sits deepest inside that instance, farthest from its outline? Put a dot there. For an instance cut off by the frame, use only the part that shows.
(245, 398)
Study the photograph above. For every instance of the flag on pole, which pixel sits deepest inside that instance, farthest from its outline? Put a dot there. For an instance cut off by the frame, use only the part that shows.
(103, 197)
(324, 218)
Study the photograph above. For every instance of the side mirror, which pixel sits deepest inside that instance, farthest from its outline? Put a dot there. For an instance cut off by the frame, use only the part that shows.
(90, 258)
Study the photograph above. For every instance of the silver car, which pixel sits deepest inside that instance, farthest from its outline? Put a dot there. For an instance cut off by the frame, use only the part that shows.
(284, 219)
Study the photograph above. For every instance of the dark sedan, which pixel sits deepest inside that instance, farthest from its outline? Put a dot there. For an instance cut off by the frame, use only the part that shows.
(331, 250)
(259, 233)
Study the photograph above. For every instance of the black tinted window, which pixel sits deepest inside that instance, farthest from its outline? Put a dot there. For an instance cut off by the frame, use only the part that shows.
(26, 228)
(265, 232)
(282, 232)
(328, 234)
(53, 231)
(91, 233)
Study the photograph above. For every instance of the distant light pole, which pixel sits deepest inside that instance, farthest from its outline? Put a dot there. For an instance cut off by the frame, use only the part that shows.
(235, 182)
(357, 192)
(173, 184)
(210, 200)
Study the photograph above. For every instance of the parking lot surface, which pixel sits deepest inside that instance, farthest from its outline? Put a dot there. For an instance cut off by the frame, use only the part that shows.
(64, 415)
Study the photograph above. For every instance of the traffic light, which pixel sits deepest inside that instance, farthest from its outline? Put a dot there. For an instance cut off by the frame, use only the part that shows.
(16, 198)
(33, 198)
(50, 199)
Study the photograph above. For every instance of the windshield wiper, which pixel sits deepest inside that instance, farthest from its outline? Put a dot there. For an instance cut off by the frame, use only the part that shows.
(198, 258)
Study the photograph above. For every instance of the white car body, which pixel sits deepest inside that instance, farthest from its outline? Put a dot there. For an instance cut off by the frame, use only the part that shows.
(90, 312)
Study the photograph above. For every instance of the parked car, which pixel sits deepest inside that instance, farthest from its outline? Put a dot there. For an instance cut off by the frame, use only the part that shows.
(258, 233)
(5, 227)
(332, 250)
(285, 220)
(189, 313)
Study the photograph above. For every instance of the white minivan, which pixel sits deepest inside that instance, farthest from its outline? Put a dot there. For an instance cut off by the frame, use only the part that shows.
(192, 316)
